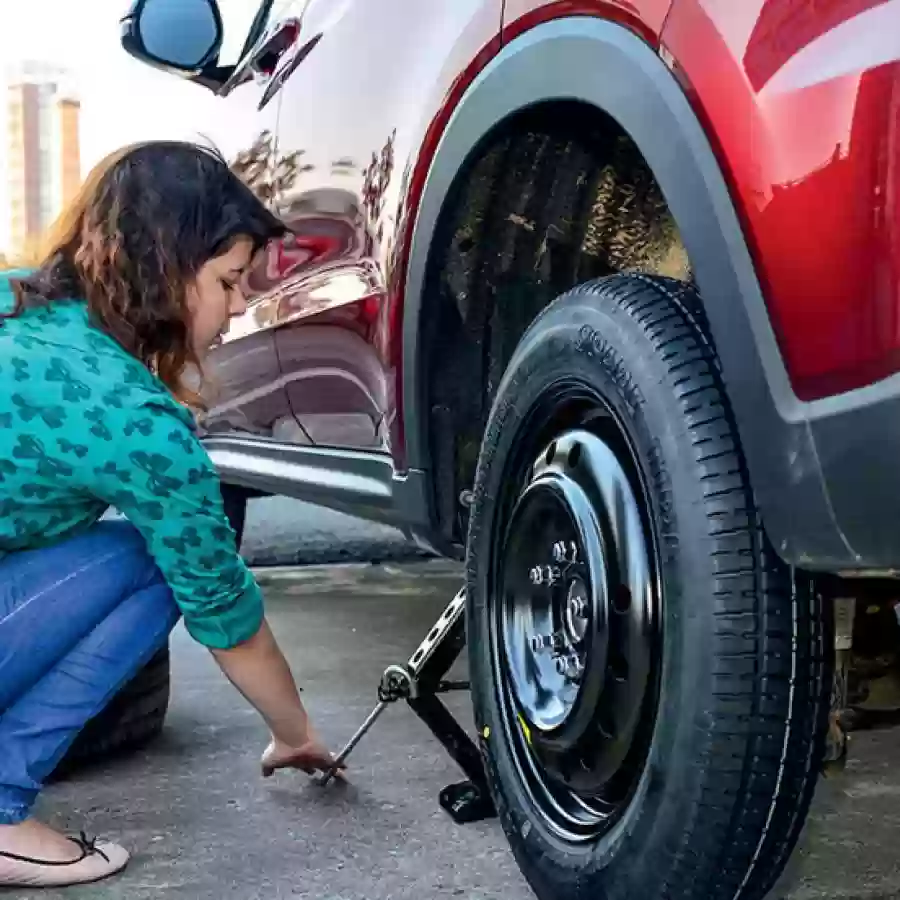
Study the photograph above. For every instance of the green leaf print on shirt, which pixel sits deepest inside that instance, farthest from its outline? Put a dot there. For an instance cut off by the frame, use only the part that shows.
(41, 491)
(74, 390)
(79, 450)
(198, 476)
(205, 506)
(96, 416)
(151, 509)
(52, 416)
(154, 466)
(144, 426)
(111, 468)
(118, 397)
(101, 345)
(183, 441)
(135, 376)
(91, 362)
(216, 559)
(29, 447)
(190, 537)
(20, 367)
(27, 342)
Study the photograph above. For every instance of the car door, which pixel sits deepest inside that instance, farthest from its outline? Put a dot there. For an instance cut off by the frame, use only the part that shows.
(356, 101)
(243, 384)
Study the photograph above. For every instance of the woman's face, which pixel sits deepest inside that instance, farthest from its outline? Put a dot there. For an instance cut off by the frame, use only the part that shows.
(217, 294)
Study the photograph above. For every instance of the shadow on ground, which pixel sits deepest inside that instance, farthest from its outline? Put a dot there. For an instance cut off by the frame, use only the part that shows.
(285, 532)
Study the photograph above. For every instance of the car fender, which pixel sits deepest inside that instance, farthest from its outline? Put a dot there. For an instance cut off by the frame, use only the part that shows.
(611, 68)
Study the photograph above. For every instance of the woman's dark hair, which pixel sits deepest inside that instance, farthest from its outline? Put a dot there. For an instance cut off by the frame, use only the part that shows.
(145, 221)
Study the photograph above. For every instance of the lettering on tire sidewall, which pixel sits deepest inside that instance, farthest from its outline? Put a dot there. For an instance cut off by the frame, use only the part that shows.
(591, 342)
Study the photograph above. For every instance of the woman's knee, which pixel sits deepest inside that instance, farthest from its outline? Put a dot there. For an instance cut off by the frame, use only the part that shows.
(64, 593)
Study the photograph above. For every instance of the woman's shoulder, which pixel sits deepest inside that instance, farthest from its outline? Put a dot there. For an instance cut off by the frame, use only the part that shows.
(57, 352)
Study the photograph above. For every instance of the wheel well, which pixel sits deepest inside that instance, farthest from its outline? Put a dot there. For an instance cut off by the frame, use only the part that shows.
(555, 196)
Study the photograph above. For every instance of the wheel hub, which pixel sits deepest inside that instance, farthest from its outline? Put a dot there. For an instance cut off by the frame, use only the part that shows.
(577, 623)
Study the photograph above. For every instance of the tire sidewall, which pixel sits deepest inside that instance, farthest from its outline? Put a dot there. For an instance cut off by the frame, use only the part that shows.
(610, 350)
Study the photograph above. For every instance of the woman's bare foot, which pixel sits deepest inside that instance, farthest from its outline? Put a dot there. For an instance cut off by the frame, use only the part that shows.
(37, 841)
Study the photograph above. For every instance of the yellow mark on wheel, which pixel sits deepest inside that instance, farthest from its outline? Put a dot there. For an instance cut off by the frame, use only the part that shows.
(486, 732)
(525, 730)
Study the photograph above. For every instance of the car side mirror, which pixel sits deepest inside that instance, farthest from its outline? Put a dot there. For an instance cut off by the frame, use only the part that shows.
(182, 36)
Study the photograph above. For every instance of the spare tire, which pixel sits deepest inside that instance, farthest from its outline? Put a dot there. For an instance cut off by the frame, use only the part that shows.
(650, 682)
(131, 719)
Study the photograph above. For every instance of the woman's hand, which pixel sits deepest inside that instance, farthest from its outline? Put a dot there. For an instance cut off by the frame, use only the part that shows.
(310, 757)
(258, 669)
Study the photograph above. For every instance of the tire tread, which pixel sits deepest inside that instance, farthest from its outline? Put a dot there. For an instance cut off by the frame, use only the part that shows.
(772, 669)
(767, 758)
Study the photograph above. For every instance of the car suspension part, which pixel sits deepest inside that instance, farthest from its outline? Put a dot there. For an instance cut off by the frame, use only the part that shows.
(837, 739)
(420, 682)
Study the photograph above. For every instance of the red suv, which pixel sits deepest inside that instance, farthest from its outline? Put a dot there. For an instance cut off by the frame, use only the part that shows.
(604, 297)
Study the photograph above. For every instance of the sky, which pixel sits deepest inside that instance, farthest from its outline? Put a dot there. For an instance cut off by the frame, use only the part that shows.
(122, 100)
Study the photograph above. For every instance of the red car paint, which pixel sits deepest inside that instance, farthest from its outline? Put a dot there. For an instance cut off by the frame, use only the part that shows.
(461, 39)
(797, 99)
(801, 100)
(363, 123)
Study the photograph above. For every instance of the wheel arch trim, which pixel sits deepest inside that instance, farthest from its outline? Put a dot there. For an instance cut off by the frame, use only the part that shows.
(607, 66)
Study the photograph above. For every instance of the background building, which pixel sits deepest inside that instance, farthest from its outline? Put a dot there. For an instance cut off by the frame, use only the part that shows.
(43, 150)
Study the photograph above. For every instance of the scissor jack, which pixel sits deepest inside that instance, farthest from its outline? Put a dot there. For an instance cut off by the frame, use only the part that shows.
(419, 683)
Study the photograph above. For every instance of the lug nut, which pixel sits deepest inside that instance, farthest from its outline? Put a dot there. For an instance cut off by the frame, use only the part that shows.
(555, 642)
(570, 667)
(565, 552)
(547, 575)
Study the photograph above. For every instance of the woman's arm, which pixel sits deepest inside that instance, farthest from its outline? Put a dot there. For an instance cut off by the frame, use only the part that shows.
(157, 473)
(258, 669)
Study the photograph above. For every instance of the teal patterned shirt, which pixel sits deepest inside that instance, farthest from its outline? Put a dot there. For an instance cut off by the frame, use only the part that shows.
(84, 426)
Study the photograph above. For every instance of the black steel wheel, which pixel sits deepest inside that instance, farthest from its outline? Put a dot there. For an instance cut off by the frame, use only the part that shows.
(650, 683)
(576, 645)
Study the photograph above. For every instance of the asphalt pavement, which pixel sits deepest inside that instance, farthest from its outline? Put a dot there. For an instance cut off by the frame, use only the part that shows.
(284, 532)
(204, 825)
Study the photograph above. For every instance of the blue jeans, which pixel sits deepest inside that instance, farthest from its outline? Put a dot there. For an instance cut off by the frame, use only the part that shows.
(77, 621)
